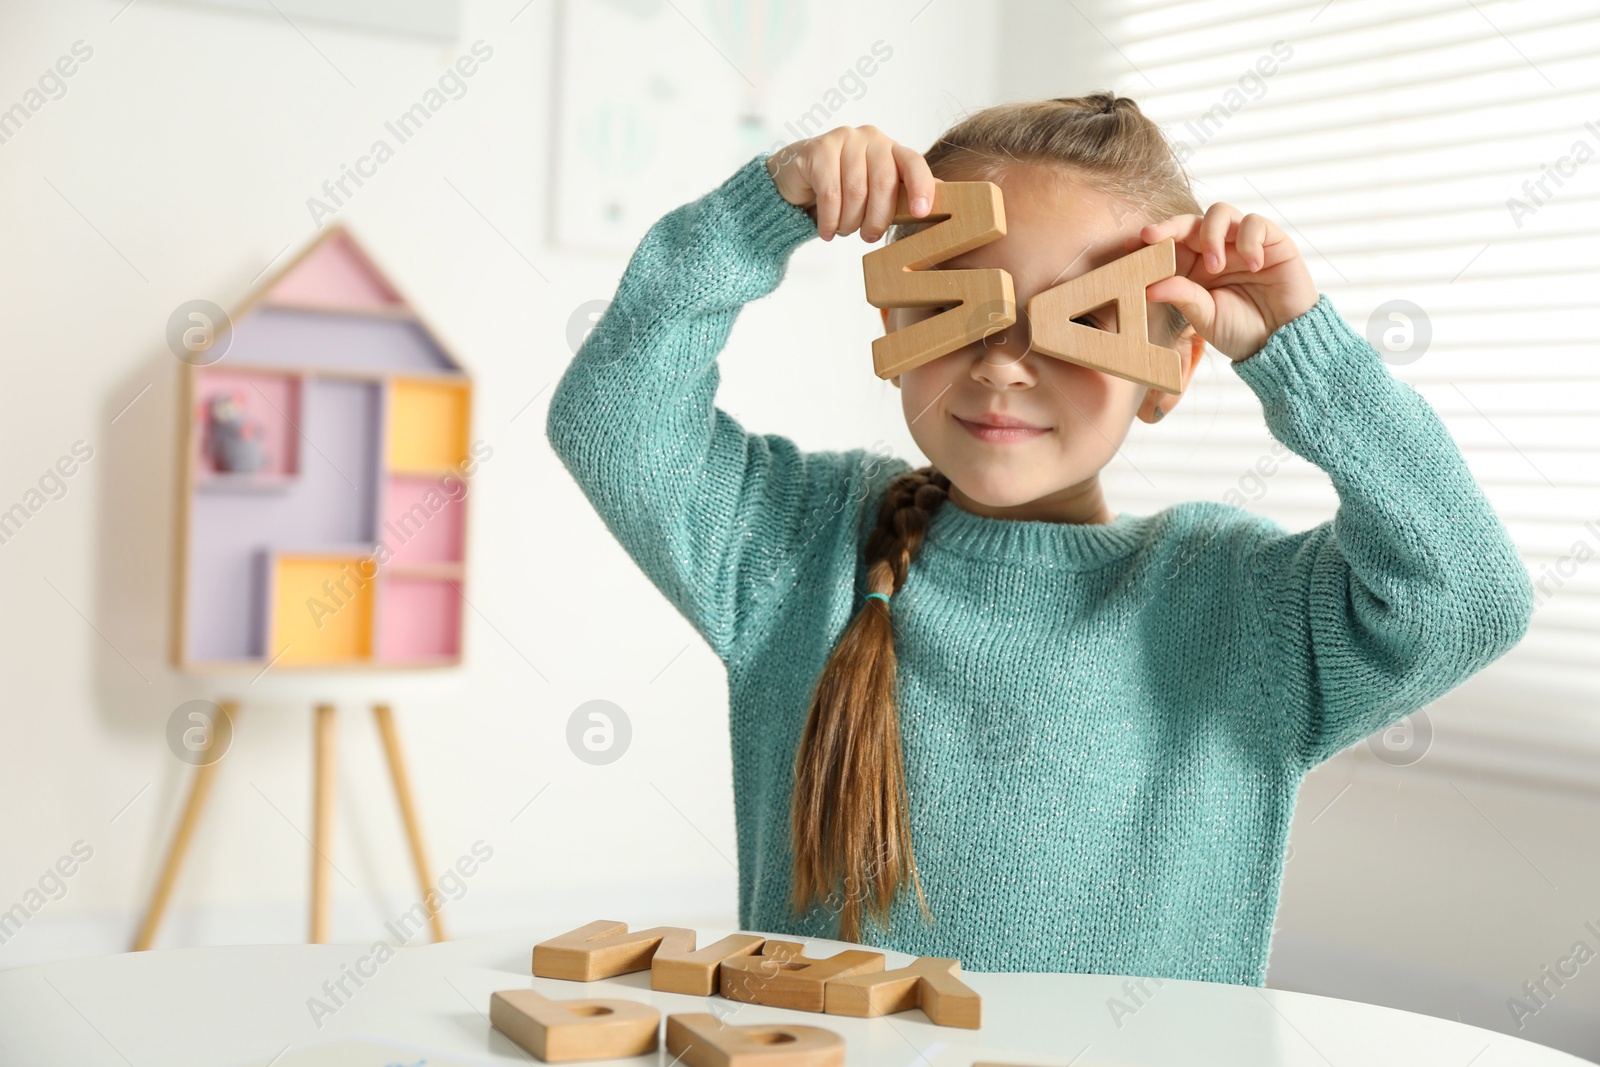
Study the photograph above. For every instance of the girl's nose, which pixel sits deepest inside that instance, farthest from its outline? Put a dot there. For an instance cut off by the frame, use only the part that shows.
(1003, 359)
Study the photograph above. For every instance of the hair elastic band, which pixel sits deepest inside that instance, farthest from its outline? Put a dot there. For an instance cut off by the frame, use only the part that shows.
(880, 596)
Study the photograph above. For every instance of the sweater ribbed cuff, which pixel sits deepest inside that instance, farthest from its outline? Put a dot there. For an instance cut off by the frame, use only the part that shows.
(1318, 380)
(757, 217)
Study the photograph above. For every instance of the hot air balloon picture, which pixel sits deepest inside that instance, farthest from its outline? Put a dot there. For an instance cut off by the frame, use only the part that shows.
(758, 36)
(676, 90)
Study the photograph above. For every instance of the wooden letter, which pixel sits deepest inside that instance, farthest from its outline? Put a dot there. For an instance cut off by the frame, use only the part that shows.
(602, 949)
(929, 983)
(558, 1031)
(1127, 353)
(677, 968)
(983, 300)
(783, 977)
(605, 949)
(701, 1040)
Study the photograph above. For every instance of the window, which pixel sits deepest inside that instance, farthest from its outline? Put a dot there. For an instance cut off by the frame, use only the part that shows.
(1442, 154)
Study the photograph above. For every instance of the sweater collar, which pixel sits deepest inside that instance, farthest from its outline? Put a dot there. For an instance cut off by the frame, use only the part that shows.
(1070, 546)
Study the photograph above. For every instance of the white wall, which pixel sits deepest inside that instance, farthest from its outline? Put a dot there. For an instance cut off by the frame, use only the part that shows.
(177, 166)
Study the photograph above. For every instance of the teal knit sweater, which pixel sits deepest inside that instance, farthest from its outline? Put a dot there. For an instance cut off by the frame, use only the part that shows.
(1105, 726)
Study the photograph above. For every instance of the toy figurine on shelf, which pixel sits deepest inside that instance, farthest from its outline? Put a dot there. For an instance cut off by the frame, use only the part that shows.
(232, 440)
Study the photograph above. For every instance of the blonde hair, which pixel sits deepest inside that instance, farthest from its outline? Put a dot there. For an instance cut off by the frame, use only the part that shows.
(849, 819)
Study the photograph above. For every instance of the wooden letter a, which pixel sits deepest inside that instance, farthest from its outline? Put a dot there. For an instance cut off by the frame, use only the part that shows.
(1127, 353)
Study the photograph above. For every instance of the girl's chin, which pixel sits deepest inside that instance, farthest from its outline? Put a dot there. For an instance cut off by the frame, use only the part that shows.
(993, 492)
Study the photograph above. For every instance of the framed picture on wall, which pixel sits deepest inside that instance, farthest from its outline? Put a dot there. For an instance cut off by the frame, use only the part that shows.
(677, 84)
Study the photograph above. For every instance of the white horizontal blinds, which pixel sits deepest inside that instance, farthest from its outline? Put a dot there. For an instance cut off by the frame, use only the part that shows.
(1387, 139)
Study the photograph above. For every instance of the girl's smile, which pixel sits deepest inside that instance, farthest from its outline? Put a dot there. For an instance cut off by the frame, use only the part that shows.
(1000, 429)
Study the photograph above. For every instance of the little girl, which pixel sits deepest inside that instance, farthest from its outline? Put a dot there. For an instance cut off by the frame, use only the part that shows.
(1092, 725)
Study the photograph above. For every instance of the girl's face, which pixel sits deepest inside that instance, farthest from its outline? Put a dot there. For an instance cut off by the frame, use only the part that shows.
(1074, 418)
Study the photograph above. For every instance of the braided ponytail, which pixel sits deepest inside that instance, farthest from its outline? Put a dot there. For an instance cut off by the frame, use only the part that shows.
(849, 821)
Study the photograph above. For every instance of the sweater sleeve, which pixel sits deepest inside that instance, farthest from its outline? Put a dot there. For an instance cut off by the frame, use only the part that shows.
(717, 518)
(1413, 585)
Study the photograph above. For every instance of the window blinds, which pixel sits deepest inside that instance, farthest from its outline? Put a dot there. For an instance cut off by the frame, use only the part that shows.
(1444, 155)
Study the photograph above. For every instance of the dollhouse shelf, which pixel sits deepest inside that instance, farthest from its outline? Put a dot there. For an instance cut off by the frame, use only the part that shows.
(213, 482)
(325, 473)
(395, 312)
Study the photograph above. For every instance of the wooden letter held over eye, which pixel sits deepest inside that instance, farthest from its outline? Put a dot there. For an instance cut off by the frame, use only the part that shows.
(703, 1040)
(1127, 353)
(558, 1031)
(973, 215)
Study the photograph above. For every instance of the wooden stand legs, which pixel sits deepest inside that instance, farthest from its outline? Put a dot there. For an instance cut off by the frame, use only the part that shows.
(324, 787)
(322, 793)
(199, 790)
(408, 813)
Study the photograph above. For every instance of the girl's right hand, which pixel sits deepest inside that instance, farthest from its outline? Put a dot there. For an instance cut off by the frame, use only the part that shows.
(848, 178)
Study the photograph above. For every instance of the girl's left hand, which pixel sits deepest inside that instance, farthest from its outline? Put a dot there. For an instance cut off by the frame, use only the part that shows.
(1239, 276)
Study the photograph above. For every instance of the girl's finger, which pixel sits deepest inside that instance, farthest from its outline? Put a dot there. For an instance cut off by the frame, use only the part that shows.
(1212, 242)
(1189, 297)
(853, 180)
(1256, 241)
(1184, 230)
(1178, 226)
(1250, 239)
(822, 168)
(883, 186)
(918, 178)
(1273, 243)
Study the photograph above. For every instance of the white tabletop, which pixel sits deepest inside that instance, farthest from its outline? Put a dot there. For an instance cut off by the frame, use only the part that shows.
(233, 1006)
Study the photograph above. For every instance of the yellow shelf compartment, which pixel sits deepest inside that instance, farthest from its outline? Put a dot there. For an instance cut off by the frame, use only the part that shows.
(427, 425)
(321, 608)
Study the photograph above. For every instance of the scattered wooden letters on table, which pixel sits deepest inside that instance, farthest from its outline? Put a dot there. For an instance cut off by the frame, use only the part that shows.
(742, 967)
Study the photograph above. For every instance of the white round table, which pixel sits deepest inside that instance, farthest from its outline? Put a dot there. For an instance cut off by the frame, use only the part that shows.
(248, 1005)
